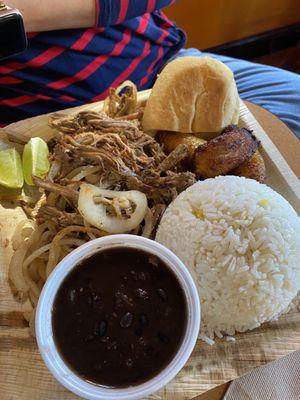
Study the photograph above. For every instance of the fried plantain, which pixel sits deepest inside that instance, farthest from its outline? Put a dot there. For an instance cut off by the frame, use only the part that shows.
(225, 152)
(170, 140)
(253, 168)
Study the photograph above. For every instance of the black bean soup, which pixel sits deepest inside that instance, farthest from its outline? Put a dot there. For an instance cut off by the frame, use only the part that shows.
(119, 317)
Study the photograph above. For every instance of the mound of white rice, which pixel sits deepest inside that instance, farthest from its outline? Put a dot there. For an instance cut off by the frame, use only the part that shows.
(241, 241)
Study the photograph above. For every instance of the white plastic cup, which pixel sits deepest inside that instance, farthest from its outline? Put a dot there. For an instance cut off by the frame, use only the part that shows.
(43, 322)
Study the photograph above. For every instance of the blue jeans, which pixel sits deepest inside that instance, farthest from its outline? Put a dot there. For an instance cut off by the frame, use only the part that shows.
(274, 89)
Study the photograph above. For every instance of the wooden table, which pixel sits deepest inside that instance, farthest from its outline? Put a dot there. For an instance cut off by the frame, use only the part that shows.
(289, 146)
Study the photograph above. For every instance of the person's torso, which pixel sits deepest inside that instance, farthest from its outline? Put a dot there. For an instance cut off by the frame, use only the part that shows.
(63, 69)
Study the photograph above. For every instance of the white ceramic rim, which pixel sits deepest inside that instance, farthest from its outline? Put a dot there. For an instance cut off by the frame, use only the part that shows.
(44, 333)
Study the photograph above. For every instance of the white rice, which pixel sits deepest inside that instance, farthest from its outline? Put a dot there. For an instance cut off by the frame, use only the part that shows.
(241, 241)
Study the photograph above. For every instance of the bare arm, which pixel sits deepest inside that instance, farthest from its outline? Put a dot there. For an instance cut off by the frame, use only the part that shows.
(45, 15)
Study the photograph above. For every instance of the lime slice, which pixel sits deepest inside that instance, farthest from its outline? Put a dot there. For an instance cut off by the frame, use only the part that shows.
(11, 173)
(35, 159)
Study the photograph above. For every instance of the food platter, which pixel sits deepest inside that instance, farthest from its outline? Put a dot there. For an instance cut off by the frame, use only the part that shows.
(23, 374)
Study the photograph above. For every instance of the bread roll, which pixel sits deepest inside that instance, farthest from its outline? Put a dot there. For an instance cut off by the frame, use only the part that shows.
(192, 95)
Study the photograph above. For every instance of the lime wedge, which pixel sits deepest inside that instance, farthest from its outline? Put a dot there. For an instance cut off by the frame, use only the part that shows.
(11, 173)
(35, 159)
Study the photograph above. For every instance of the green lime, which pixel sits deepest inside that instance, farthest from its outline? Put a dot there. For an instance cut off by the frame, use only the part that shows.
(11, 173)
(35, 159)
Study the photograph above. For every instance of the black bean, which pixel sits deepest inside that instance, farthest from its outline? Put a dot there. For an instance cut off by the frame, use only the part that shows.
(167, 311)
(163, 338)
(96, 296)
(138, 332)
(141, 294)
(142, 341)
(148, 350)
(88, 281)
(134, 275)
(119, 304)
(112, 345)
(143, 320)
(72, 295)
(162, 294)
(126, 320)
(129, 363)
(94, 299)
(88, 338)
(100, 328)
(123, 299)
(142, 276)
(89, 300)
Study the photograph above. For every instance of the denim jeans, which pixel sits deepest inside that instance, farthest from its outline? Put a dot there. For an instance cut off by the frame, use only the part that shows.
(274, 89)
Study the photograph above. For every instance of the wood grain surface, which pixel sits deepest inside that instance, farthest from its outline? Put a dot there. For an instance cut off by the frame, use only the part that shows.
(23, 375)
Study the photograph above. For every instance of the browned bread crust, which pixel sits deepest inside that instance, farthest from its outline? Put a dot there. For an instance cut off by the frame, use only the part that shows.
(191, 95)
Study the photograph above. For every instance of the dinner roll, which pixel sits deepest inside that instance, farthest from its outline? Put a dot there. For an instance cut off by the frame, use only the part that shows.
(192, 95)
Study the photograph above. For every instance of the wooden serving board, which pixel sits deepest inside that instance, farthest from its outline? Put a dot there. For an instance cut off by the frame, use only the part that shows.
(23, 375)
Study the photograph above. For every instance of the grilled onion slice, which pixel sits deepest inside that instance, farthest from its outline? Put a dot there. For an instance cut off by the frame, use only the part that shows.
(110, 210)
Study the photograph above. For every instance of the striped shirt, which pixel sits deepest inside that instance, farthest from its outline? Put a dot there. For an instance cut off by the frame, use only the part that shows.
(132, 40)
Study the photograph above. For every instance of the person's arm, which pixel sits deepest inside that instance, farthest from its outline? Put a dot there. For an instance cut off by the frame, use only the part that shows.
(46, 15)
